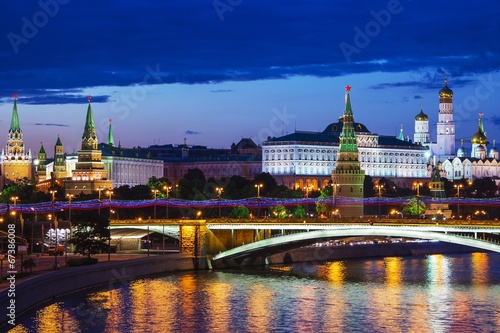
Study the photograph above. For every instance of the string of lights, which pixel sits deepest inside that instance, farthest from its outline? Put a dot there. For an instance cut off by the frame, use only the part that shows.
(262, 202)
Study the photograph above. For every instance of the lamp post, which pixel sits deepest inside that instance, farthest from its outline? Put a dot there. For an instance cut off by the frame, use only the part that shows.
(334, 195)
(219, 192)
(417, 186)
(155, 192)
(167, 191)
(14, 199)
(32, 226)
(56, 250)
(458, 187)
(379, 187)
(258, 186)
(109, 193)
(99, 199)
(307, 197)
(396, 212)
(70, 196)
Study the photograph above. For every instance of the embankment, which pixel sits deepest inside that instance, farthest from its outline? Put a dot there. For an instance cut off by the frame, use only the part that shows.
(48, 286)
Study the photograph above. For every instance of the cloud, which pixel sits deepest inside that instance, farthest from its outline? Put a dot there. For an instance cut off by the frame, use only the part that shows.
(50, 124)
(189, 132)
(51, 96)
(221, 90)
(190, 43)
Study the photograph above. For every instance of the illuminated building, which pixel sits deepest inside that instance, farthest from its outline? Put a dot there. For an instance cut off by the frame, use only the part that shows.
(16, 162)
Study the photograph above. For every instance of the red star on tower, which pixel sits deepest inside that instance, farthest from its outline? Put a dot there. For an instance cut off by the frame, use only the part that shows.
(347, 88)
(15, 96)
(90, 98)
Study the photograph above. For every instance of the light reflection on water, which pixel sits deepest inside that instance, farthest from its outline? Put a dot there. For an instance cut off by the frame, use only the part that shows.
(437, 293)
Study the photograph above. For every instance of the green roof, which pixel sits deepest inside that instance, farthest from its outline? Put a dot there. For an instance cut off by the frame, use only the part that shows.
(14, 123)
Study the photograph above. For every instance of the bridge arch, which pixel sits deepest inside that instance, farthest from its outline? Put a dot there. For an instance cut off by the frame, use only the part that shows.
(279, 244)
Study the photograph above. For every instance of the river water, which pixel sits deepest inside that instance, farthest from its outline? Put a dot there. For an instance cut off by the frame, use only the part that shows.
(435, 293)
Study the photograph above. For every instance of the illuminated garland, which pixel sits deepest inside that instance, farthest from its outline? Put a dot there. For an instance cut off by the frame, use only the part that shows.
(262, 202)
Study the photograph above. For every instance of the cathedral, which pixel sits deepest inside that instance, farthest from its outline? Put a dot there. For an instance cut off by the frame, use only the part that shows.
(456, 164)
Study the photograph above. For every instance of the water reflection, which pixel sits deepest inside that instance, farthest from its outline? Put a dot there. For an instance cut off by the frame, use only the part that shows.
(260, 308)
(434, 294)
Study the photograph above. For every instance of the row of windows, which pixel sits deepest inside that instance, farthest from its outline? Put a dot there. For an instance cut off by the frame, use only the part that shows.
(301, 156)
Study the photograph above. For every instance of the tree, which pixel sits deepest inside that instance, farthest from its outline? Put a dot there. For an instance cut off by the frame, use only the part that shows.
(326, 192)
(240, 211)
(90, 232)
(192, 185)
(414, 206)
(29, 264)
(279, 212)
(159, 184)
(299, 212)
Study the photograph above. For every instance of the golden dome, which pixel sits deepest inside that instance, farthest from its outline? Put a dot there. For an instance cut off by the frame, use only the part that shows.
(421, 116)
(446, 92)
(478, 138)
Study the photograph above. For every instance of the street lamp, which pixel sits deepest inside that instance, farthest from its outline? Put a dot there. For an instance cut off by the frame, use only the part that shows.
(14, 199)
(417, 186)
(167, 190)
(396, 212)
(307, 197)
(258, 186)
(56, 250)
(99, 199)
(482, 212)
(109, 193)
(32, 227)
(70, 196)
(219, 192)
(458, 187)
(334, 194)
(379, 187)
(155, 192)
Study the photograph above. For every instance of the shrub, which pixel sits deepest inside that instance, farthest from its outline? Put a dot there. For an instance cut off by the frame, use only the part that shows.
(81, 261)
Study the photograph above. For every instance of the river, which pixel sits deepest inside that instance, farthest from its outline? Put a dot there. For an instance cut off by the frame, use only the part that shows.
(435, 293)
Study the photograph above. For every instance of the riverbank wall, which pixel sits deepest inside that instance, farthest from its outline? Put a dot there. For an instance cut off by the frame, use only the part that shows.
(48, 286)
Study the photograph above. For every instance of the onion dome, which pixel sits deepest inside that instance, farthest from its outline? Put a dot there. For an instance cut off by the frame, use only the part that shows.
(480, 149)
(421, 116)
(461, 152)
(479, 137)
(494, 151)
(445, 94)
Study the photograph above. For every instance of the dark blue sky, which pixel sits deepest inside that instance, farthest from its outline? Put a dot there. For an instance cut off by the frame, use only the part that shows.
(213, 71)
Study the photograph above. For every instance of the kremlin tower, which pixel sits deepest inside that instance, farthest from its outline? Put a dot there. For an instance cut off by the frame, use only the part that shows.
(89, 174)
(348, 174)
(16, 164)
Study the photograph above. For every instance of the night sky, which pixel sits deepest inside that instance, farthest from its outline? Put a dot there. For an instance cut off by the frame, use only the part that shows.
(215, 71)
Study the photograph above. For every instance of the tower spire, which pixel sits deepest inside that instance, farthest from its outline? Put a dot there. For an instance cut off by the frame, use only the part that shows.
(89, 137)
(111, 141)
(401, 136)
(14, 123)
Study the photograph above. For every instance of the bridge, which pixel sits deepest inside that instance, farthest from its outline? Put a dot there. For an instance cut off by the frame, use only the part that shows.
(223, 240)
